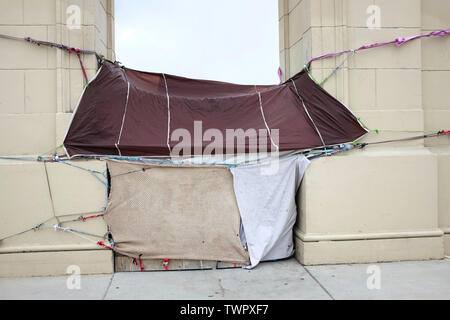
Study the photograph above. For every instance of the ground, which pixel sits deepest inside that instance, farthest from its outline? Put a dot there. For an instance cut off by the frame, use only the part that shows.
(271, 280)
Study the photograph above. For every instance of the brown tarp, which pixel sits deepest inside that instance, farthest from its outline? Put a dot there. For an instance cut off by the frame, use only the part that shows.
(165, 212)
(131, 113)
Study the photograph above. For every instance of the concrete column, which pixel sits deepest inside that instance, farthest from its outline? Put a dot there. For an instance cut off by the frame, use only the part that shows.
(39, 89)
(436, 100)
(381, 203)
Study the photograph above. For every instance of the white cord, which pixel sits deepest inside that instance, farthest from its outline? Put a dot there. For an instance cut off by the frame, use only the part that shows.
(168, 113)
(306, 110)
(264, 119)
(124, 115)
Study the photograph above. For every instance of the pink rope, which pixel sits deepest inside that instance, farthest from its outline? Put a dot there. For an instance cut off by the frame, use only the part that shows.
(398, 42)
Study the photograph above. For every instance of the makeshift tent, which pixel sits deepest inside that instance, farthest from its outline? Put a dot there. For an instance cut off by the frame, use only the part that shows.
(132, 113)
(169, 212)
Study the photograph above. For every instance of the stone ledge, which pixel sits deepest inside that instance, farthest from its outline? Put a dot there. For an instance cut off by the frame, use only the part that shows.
(368, 236)
(447, 244)
(369, 251)
(39, 264)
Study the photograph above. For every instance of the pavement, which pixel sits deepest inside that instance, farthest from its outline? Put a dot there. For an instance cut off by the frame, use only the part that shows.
(287, 280)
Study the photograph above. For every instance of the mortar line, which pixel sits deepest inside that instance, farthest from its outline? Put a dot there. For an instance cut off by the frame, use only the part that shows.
(317, 281)
(108, 287)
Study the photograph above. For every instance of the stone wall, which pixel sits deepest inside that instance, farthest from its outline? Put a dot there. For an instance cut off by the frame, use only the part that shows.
(39, 89)
(388, 202)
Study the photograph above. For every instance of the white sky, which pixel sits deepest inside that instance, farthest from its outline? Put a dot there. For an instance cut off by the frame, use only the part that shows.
(225, 40)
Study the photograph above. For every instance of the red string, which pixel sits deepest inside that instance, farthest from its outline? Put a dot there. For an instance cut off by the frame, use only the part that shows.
(101, 243)
(78, 53)
(166, 264)
(91, 217)
(141, 264)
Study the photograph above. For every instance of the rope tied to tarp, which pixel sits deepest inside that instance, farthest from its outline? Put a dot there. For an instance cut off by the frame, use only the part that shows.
(425, 136)
(69, 49)
(398, 42)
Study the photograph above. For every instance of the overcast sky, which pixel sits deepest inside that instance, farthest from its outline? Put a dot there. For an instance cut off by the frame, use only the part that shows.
(226, 40)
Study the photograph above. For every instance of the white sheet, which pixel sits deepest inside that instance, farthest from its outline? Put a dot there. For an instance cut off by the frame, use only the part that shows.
(267, 205)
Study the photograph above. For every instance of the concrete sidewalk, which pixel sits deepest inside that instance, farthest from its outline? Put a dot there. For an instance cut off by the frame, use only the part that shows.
(272, 280)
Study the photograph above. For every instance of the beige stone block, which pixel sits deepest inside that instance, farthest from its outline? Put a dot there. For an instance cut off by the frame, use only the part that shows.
(11, 12)
(76, 36)
(102, 25)
(435, 89)
(37, 264)
(437, 120)
(342, 86)
(77, 84)
(436, 53)
(400, 13)
(300, 53)
(49, 239)
(77, 191)
(362, 89)
(63, 90)
(111, 7)
(328, 12)
(336, 85)
(315, 34)
(20, 54)
(447, 244)
(299, 21)
(104, 4)
(292, 4)
(62, 125)
(443, 156)
(100, 46)
(25, 199)
(12, 91)
(39, 12)
(393, 124)
(83, 38)
(368, 251)
(93, 12)
(385, 191)
(399, 89)
(435, 14)
(283, 30)
(327, 44)
(40, 91)
(52, 52)
(296, 60)
(112, 35)
(27, 134)
(330, 84)
(407, 56)
(282, 8)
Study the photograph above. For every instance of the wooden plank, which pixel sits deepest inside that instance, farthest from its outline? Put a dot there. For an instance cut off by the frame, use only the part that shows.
(125, 264)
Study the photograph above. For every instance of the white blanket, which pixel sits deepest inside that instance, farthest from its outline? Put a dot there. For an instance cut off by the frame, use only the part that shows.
(265, 195)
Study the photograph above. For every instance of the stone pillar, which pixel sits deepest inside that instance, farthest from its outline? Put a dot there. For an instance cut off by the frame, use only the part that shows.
(436, 100)
(381, 203)
(39, 89)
